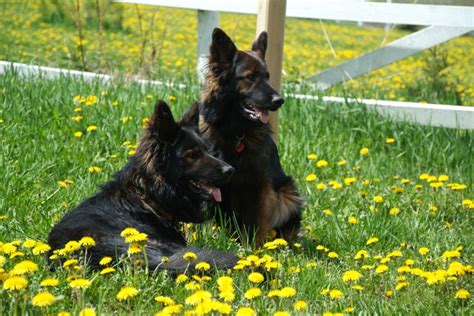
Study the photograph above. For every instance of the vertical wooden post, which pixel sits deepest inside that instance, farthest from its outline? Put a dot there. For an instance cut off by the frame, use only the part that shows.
(207, 21)
(271, 18)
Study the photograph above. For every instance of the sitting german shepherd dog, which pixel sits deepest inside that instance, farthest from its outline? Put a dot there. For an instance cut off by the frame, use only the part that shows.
(232, 118)
(166, 182)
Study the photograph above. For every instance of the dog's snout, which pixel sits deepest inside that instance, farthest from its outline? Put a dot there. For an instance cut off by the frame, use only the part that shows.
(277, 100)
(228, 171)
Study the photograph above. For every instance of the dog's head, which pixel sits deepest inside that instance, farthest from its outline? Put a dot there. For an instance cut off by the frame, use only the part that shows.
(177, 160)
(244, 74)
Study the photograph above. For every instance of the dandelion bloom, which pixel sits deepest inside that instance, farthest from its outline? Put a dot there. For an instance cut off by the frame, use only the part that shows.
(401, 285)
(136, 238)
(87, 312)
(349, 181)
(281, 313)
(198, 297)
(335, 294)
(311, 177)
(378, 199)
(364, 151)
(394, 211)
(381, 268)
(372, 240)
(127, 292)
(352, 220)
(107, 270)
(15, 283)
(300, 306)
(332, 255)
(255, 277)
(351, 275)
(166, 300)
(341, 162)
(245, 311)
(321, 163)
(43, 299)
(80, 283)
(203, 266)
(357, 288)
(462, 294)
(390, 140)
(312, 156)
(70, 262)
(64, 313)
(320, 186)
(252, 293)
(287, 292)
(49, 282)
(181, 278)
(23, 267)
(94, 169)
(128, 232)
(87, 242)
(423, 251)
(41, 248)
(189, 256)
(78, 134)
(91, 128)
(105, 261)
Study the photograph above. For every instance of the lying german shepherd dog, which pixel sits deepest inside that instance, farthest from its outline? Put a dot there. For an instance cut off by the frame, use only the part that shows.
(166, 182)
(232, 118)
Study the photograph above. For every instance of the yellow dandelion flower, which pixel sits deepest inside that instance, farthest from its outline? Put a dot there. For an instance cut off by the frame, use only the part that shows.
(389, 140)
(94, 169)
(372, 240)
(107, 270)
(349, 181)
(300, 306)
(70, 262)
(203, 266)
(189, 256)
(311, 177)
(129, 231)
(91, 128)
(322, 163)
(80, 283)
(105, 261)
(364, 151)
(332, 255)
(281, 313)
(29, 243)
(423, 251)
(87, 312)
(320, 186)
(381, 268)
(256, 277)
(352, 220)
(287, 292)
(136, 238)
(401, 285)
(198, 297)
(41, 248)
(77, 118)
(335, 294)
(43, 299)
(181, 278)
(378, 199)
(327, 212)
(252, 293)
(23, 267)
(166, 300)
(126, 293)
(361, 254)
(462, 294)
(245, 311)
(49, 282)
(134, 248)
(351, 275)
(341, 162)
(312, 156)
(172, 97)
(388, 294)
(78, 134)
(15, 283)
(87, 242)
(394, 211)
(451, 254)
(64, 313)
(227, 296)
(358, 288)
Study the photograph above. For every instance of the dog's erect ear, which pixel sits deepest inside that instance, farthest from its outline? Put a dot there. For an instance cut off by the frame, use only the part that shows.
(260, 45)
(222, 51)
(162, 123)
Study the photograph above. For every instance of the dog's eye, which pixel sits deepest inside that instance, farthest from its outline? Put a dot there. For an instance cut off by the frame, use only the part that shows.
(193, 154)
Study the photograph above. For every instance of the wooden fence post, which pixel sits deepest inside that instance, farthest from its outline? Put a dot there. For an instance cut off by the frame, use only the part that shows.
(207, 21)
(271, 18)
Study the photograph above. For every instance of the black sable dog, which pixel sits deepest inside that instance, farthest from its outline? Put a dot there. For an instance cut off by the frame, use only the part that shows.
(232, 118)
(164, 183)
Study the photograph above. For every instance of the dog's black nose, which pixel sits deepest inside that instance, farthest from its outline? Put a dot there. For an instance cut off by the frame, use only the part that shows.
(277, 100)
(227, 171)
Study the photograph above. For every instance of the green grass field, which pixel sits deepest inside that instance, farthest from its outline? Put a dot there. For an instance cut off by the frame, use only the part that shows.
(414, 192)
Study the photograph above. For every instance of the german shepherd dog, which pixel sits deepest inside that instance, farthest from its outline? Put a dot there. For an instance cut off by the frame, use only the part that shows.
(166, 182)
(232, 118)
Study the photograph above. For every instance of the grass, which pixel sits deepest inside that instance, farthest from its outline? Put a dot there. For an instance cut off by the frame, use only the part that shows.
(160, 43)
(39, 150)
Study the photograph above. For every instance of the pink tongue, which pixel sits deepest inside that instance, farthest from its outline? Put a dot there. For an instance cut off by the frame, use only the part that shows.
(216, 194)
(263, 116)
